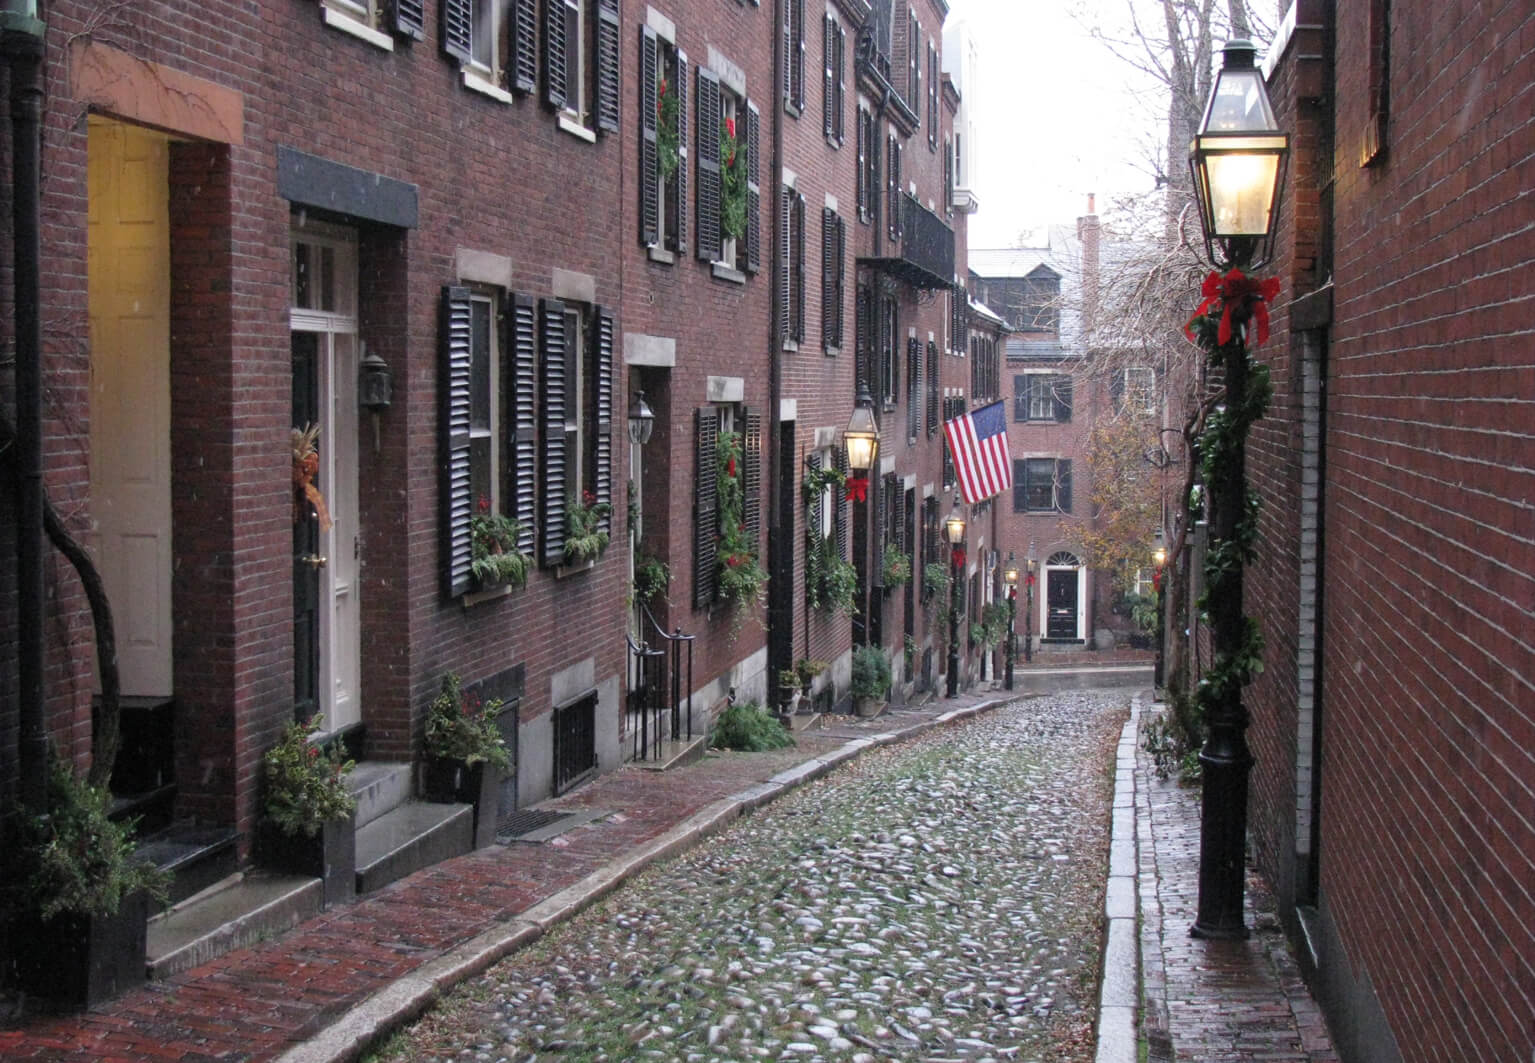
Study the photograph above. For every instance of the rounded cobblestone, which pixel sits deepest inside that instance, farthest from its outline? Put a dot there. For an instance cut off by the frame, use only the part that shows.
(936, 900)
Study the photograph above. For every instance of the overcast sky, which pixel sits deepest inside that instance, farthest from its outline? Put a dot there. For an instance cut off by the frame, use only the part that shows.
(1057, 116)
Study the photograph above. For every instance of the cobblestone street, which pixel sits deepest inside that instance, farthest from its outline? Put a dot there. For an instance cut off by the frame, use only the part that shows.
(937, 900)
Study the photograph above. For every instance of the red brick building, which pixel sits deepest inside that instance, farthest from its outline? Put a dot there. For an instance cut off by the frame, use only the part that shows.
(1393, 801)
(523, 215)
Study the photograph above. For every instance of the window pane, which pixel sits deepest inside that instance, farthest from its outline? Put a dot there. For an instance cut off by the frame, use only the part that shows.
(479, 367)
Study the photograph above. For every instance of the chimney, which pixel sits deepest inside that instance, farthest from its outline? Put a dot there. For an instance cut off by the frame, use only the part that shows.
(1087, 235)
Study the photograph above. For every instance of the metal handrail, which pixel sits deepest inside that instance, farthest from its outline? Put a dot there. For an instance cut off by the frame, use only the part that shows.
(670, 687)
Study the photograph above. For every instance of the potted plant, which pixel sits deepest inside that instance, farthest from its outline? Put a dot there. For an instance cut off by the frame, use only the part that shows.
(871, 680)
(896, 568)
(307, 826)
(651, 578)
(935, 582)
(465, 754)
(806, 669)
(831, 583)
(788, 691)
(494, 558)
(585, 538)
(1143, 618)
(741, 579)
(75, 897)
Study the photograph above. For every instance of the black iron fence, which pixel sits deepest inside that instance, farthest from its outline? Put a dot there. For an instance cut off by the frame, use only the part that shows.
(660, 702)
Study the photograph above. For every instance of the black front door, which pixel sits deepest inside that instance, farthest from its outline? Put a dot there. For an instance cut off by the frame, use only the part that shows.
(306, 540)
(1061, 604)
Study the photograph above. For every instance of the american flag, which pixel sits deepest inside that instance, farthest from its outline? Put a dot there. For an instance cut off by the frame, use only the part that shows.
(978, 442)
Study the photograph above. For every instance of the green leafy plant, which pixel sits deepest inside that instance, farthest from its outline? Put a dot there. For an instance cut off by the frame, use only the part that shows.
(806, 669)
(831, 582)
(732, 182)
(493, 553)
(749, 728)
(651, 578)
(935, 581)
(585, 540)
(818, 479)
(463, 726)
(910, 651)
(1143, 612)
(306, 785)
(992, 627)
(667, 129)
(871, 672)
(740, 576)
(897, 566)
(76, 860)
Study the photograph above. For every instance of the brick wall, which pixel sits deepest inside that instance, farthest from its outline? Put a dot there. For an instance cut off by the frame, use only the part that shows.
(1427, 725)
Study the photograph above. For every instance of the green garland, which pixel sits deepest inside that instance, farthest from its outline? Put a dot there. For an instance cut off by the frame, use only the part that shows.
(732, 183)
(667, 130)
(1233, 510)
(740, 576)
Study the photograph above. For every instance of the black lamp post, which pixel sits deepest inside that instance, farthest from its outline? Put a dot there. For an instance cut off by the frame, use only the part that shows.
(1010, 577)
(861, 439)
(1159, 559)
(954, 528)
(642, 419)
(1028, 609)
(1238, 162)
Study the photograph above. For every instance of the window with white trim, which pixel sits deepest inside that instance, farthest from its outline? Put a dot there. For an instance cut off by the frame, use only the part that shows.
(729, 198)
(1138, 390)
(374, 20)
(1041, 485)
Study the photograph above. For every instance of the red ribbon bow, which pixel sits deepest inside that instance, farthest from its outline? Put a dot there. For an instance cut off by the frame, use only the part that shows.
(958, 556)
(858, 489)
(1235, 289)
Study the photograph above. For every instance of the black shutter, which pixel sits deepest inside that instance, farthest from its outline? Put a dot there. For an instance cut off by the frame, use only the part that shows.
(708, 196)
(524, 57)
(1020, 486)
(1020, 397)
(650, 180)
(609, 62)
(1063, 485)
(828, 53)
(863, 339)
(932, 387)
(863, 164)
(457, 466)
(948, 177)
(786, 270)
(751, 477)
(1062, 398)
(932, 98)
(813, 527)
(556, 399)
(796, 56)
(410, 19)
(913, 388)
(893, 214)
(554, 54)
(839, 503)
(1117, 390)
(831, 278)
(838, 125)
(753, 190)
(524, 420)
(603, 330)
(458, 29)
(786, 44)
(797, 262)
(680, 174)
(705, 505)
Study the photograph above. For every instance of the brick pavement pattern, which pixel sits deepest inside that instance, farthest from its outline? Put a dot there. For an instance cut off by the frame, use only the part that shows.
(257, 1003)
(1212, 1001)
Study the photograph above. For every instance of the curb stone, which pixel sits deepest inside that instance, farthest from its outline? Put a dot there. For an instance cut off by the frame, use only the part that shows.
(366, 1024)
(1120, 990)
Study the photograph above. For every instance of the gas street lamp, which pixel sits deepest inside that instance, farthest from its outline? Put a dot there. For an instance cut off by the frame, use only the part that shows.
(954, 528)
(1238, 163)
(1159, 578)
(1010, 577)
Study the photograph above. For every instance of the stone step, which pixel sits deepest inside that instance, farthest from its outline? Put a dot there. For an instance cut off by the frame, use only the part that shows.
(669, 754)
(414, 835)
(237, 912)
(380, 787)
(197, 857)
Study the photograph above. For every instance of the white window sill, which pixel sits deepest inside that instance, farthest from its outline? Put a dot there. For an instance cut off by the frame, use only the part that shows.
(791, 345)
(476, 83)
(576, 129)
(661, 254)
(476, 597)
(573, 568)
(832, 351)
(347, 24)
(727, 273)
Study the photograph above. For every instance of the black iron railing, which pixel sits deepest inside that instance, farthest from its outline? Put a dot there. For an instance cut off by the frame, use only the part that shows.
(660, 703)
(575, 742)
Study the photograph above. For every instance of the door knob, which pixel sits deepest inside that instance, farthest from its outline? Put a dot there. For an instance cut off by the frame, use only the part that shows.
(315, 561)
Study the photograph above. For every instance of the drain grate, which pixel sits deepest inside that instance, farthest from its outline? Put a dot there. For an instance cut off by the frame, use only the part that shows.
(526, 821)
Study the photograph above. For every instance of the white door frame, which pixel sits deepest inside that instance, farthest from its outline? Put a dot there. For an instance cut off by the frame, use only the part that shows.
(340, 667)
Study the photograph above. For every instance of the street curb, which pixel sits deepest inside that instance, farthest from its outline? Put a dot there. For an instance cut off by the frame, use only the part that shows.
(1120, 990)
(365, 1024)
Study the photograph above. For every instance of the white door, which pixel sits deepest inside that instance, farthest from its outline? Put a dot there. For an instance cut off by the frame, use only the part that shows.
(128, 297)
(324, 298)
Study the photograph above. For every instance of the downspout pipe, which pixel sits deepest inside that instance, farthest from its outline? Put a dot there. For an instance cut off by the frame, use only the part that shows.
(780, 546)
(21, 44)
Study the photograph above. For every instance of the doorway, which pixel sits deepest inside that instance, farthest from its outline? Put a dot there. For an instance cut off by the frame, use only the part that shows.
(1063, 597)
(326, 541)
(128, 282)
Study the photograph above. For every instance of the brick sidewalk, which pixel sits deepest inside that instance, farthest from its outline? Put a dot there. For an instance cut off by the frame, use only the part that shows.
(1212, 1001)
(260, 1002)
